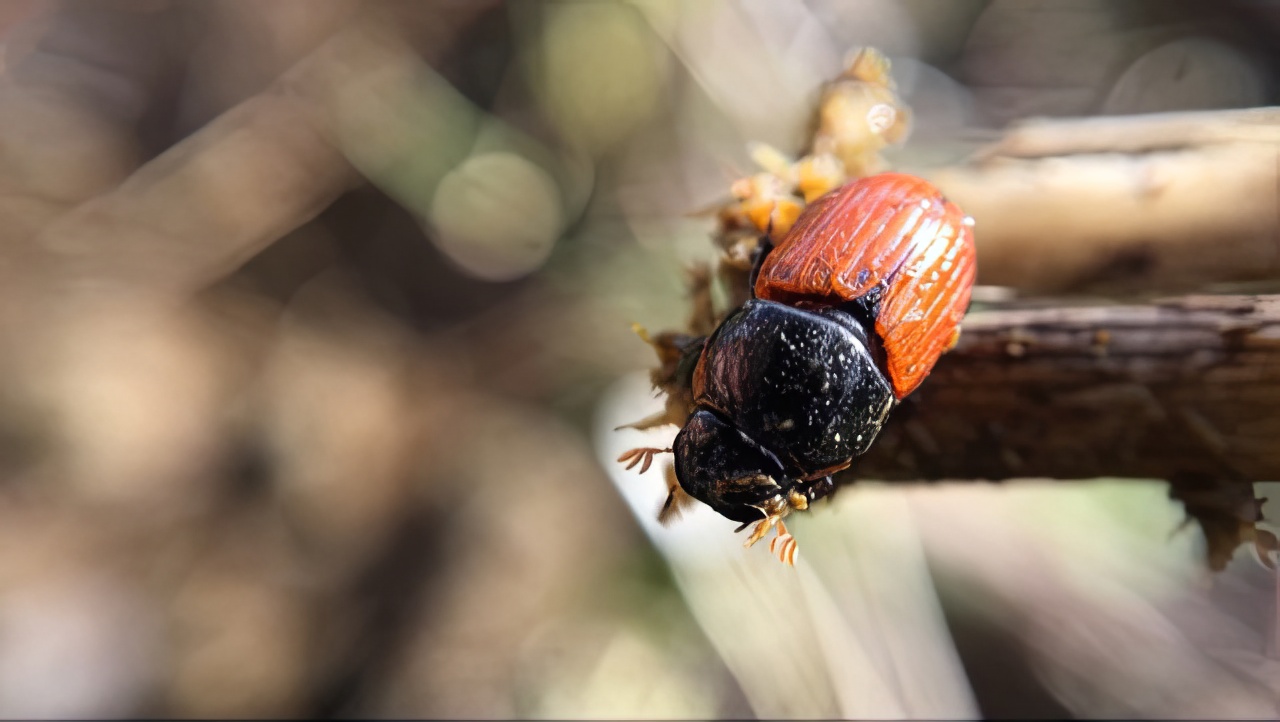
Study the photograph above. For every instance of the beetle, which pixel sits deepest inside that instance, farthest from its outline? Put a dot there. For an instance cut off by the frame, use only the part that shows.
(849, 313)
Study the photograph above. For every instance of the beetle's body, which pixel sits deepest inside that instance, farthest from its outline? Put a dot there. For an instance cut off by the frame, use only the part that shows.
(850, 312)
(892, 237)
(803, 384)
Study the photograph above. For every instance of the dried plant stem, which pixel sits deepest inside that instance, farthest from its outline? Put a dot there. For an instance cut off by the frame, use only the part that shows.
(1124, 223)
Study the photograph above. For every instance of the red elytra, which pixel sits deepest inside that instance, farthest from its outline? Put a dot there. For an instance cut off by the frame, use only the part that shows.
(894, 230)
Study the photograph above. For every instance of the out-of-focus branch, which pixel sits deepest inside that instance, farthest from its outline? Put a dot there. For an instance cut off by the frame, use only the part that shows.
(213, 200)
(1044, 137)
(254, 173)
(1172, 201)
(261, 169)
(67, 106)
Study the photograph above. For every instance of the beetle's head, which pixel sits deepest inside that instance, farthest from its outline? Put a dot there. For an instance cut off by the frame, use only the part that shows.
(719, 466)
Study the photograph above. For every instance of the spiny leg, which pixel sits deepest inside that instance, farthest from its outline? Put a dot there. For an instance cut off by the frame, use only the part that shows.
(784, 546)
(661, 418)
(677, 499)
(642, 456)
(762, 527)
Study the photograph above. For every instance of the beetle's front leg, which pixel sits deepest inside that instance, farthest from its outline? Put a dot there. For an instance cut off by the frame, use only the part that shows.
(762, 528)
(637, 456)
(783, 546)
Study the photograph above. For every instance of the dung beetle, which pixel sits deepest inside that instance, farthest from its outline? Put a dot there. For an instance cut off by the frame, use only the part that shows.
(849, 313)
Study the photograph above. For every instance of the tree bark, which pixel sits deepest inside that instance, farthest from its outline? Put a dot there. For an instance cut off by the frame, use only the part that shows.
(1187, 386)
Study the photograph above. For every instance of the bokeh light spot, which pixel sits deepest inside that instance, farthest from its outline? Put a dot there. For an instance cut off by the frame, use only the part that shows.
(497, 216)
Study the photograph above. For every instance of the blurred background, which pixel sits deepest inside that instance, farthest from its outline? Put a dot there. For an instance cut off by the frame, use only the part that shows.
(314, 331)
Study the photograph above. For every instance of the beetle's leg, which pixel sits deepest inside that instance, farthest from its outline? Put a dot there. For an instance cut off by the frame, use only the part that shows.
(677, 499)
(774, 510)
(784, 546)
(762, 250)
(642, 456)
(761, 528)
(661, 418)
